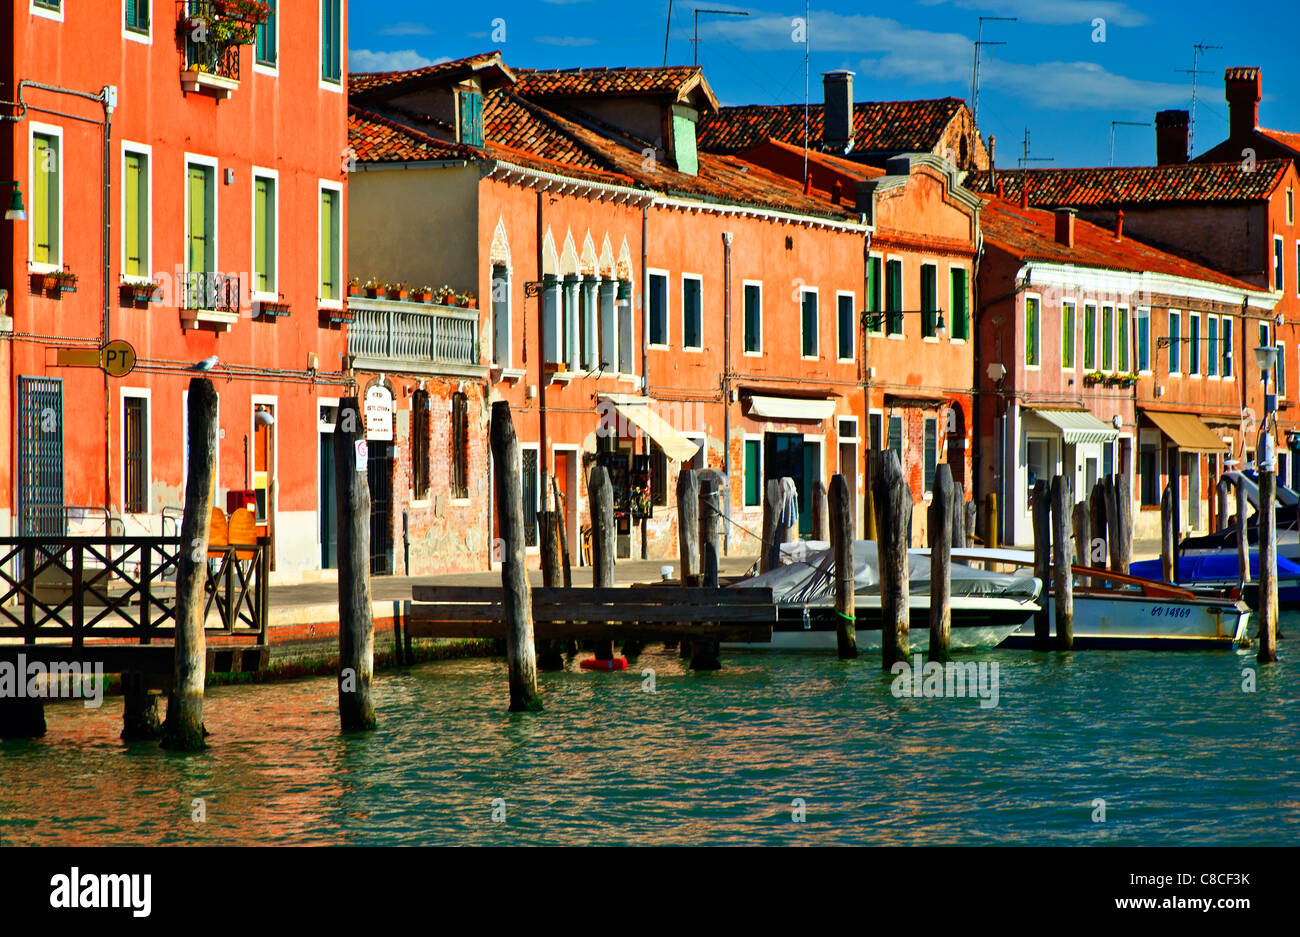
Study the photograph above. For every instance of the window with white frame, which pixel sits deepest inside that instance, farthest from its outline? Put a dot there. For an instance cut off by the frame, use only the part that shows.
(1175, 343)
(331, 41)
(45, 217)
(501, 315)
(753, 471)
(626, 363)
(808, 323)
(1193, 344)
(1279, 385)
(692, 312)
(846, 332)
(608, 324)
(331, 243)
(1144, 340)
(1211, 346)
(753, 317)
(137, 17)
(657, 310)
(1107, 338)
(1226, 340)
(136, 477)
(1089, 337)
(137, 230)
(1277, 262)
(1121, 339)
(1033, 328)
(1067, 335)
(265, 232)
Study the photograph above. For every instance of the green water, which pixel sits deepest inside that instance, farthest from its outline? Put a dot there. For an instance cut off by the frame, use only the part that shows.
(1171, 743)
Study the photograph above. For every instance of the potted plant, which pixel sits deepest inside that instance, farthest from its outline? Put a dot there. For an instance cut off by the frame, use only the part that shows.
(354, 286)
(373, 286)
(466, 301)
(398, 290)
(445, 296)
(65, 281)
(1092, 377)
(421, 294)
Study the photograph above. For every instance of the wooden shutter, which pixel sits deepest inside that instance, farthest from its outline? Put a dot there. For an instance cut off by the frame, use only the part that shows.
(264, 233)
(45, 185)
(329, 287)
(134, 235)
(200, 231)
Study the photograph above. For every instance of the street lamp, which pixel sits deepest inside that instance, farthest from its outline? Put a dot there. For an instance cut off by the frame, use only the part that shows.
(15, 212)
(1266, 358)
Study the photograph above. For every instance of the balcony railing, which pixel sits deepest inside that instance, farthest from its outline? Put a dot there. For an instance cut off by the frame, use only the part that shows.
(432, 335)
(211, 48)
(217, 292)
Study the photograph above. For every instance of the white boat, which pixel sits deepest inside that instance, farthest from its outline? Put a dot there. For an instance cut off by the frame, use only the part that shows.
(986, 607)
(1118, 611)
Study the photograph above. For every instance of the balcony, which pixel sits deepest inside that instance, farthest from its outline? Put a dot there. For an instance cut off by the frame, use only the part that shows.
(211, 299)
(211, 41)
(393, 335)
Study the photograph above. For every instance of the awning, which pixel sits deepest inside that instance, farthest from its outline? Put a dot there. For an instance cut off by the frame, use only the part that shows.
(791, 408)
(636, 410)
(920, 401)
(1187, 431)
(1078, 426)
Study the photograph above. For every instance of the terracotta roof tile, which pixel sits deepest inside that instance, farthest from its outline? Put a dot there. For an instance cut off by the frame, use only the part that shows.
(1030, 234)
(878, 126)
(1117, 186)
(1287, 138)
(572, 82)
(362, 82)
(511, 122)
(379, 139)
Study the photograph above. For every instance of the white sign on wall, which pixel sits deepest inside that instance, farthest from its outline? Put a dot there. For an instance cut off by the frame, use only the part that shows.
(379, 408)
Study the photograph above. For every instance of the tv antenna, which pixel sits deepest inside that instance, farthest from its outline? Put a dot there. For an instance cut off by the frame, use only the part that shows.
(975, 70)
(695, 59)
(1120, 123)
(1197, 51)
(1026, 158)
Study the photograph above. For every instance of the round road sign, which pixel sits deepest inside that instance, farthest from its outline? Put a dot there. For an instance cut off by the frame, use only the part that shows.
(117, 358)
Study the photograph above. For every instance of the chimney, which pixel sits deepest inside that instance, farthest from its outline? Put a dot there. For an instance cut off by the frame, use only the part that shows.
(837, 122)
(1024, 191)
(1065, 226)
(1002, 189)
(1241, 88)
(1119, 225)
(1171, 138)
(993, 169)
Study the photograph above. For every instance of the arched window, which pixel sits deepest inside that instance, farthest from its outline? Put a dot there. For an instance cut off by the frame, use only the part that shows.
(459, 446)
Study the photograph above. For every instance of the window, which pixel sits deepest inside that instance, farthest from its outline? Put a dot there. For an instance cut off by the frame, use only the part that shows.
(959, 302)
(531, 485)
(1107, 338)
(895, 443)
(331, 39)
(875, 433)
(1121, 334)
(1277, 262)
(1032, 304)
(873, 294)
(551, 317)
(1090, 337)
(268, 40)
(625, 364)
(201, 229)
(1067, 336)
(264, 234)
(1211, 346)
(658, 475)
(590, 300)
(420, 445)
(753, 472)
(692, 313)
(931, 448)
(46, 218)
(135, 454)
(1193, 344)
(471, 117)
(1297, 268)
(658, 309)
(894, 296)
(331, 247)
(753, 318)
(929, 299)
(52, 5)
(1264, 342)
(1175, 344)
(569, 337)
(1290, 206)
(1227, 346)
(847, 333)
(1149, 470)
(1144, 339)
(500, 315)
(808, 324)
(135, 213)
(1279, 385)
(459, 446)
(608, 325)
(137, 16)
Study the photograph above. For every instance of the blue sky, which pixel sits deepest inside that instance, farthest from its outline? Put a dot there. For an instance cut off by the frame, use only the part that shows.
(1062, 74)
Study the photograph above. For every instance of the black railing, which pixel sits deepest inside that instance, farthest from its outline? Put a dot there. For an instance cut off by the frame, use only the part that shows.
(214, 291)
(208, 46)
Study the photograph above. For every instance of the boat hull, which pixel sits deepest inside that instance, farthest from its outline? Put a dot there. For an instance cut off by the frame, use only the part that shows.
(1134, 622)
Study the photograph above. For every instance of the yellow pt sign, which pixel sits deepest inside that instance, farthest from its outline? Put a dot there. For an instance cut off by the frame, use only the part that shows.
(117, 358)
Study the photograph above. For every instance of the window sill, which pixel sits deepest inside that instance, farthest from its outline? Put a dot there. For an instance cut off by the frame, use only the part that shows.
(208, 83)
(514, 375)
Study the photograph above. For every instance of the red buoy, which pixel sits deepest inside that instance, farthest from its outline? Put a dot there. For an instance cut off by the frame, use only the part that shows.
(618, 663)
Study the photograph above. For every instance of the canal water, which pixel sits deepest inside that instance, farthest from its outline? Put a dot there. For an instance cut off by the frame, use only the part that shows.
(1171, 743)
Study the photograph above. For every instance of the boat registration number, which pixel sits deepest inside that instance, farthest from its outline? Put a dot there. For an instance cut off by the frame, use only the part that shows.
(1164, 611)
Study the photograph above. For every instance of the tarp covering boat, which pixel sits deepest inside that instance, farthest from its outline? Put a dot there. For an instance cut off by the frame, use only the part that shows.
(807, 576)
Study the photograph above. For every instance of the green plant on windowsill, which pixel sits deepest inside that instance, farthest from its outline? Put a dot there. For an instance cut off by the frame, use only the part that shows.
(373, 287)
(1092, 377)
(65, 281)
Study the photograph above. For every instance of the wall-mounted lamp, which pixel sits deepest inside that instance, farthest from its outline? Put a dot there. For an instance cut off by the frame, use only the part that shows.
(997, 371)
(15, 211)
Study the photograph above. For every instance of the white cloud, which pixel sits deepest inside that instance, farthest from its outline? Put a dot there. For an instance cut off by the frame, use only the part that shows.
(364, 60)
(565, 41)
(406, 29)
(1055, 12)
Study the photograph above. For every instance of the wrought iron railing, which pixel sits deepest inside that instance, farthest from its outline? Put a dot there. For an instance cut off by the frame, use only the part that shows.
(212, 291)
(445, 334)
(207, 48)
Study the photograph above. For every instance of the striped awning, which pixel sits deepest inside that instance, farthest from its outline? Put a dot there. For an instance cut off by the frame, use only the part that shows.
(636, 410)
(1078, 426)
(1186, 431)
(791, 408)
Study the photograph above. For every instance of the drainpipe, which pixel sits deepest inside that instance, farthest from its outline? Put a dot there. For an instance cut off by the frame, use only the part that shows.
(108, 96)
(864, 428)
(542, 460)
(726, 382)
(645, 351)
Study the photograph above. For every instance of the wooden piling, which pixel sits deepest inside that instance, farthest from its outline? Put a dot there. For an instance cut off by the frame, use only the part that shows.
(1221, 504)
(820, 512)
(841, 534)
(1267, 564)
(183, 729)
(1082, 520)
(1119, 522)
(600, 495)
(562, 533)
(957, 513)
(704, 652)
(356, 625)
(971, 510)
(769, 556)
(1042, 529)
(140, 720)
(869, 516)
(991, 521)
(550, 654)
(1100, 525)
(893, 501)
(787, 523)
(688, 526)
(1166, 534)
(941, 541)
(1243, 538)
(521, 660)
(1062, 577)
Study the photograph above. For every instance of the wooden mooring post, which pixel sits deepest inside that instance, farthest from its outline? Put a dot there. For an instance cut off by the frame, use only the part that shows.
(1100, 529)
(957, 513)
(773, 507)
(688, 538)
(1119, 522)
(550, 654)
(941, 540)
(183, 729)
(521, 660)
(1267, 559)
(841, 533)
(356, 624)
(820, 512)
(1062, 576)
(600, 495)
(971, 510)
(1167, 535)
(991, 521)
(1243, 538)
(1221, 504)
(705, 652)
(140, 720)
(1082, 522)
(1042, 528)
(893, 512)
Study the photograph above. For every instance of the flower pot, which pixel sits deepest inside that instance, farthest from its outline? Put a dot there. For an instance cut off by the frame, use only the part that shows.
(354, 290)
(372, 292)
(397, 294)
(420, 297)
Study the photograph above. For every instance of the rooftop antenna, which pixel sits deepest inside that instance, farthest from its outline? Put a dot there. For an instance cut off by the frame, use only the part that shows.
(1120, 123)
(975, 71)
(806, 45)
(1197, 51)
(1026, 158)
(695, 59)
(668, 27)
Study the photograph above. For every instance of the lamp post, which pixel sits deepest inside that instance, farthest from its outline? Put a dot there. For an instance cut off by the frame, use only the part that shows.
(15, 211)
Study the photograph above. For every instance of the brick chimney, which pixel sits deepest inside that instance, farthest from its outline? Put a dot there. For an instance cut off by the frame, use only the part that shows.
(1171, 138)
(1241, 88)
(837, 124)
(1065, 226)
(1119, 225)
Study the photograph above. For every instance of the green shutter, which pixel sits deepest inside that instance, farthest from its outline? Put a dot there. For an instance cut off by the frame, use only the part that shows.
(200, 230)
(133, 191)
(329, 249)
(266, 37)
(45, 199)
(753, 475)
(264, 233)
(1031, 331)
(960, 309)
(330, 59)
